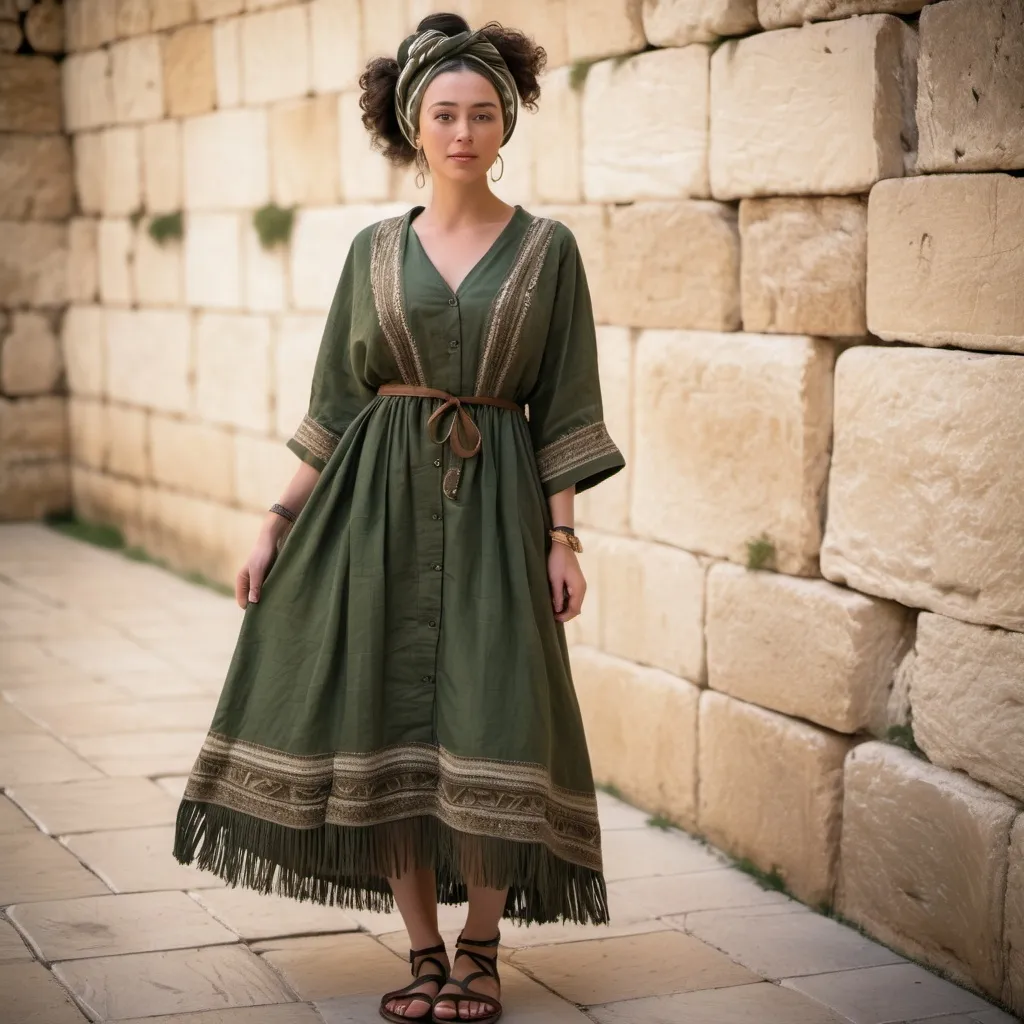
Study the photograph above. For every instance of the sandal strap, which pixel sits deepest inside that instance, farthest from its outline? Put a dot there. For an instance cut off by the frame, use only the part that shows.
(415, 953)
(479, 942)
(487, 965)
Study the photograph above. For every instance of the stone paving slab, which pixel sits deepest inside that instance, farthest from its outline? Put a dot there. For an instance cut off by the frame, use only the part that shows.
(13, 721)
(12, 946)
(762, 1003)
(888, 995)
(253, 915)
(36, 867)
(31, 758)
(116, 924)
(127, 717)
(703, 890)
(141, 753)
(283, 1013)
(12, 818)
(101, 803)
(641, 965)
(138, 860)
(641, 853)
(787, 944)
(174, 981)
(31, 995)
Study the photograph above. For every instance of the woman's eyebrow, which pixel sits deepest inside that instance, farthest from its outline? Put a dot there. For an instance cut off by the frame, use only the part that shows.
(452, 103)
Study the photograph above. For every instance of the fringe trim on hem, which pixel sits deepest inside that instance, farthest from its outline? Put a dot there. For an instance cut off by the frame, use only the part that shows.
(348, 866)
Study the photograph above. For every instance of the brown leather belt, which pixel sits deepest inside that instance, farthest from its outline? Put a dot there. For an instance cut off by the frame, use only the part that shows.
(463, 434)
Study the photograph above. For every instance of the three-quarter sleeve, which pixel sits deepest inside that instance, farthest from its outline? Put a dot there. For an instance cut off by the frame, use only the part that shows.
(571, 443)
(337, 395)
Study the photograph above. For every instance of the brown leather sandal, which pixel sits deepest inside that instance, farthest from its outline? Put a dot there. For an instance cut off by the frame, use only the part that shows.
(425, 957)
(488, 968)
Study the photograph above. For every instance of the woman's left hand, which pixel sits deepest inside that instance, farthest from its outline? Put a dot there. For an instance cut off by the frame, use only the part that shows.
(565, 575)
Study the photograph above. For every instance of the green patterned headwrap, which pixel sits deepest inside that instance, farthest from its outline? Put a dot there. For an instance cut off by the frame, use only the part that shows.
(424, 56)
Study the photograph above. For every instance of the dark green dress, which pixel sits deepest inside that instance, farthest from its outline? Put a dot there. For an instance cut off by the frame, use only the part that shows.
(401, 695)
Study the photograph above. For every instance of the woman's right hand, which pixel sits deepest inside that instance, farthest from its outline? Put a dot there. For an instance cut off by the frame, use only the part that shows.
(249, 581)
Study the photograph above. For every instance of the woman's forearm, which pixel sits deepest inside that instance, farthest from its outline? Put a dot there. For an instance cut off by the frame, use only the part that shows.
(294, 498)
(562, 507)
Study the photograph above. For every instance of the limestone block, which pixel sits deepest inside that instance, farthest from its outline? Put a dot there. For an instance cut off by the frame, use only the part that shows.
(30, 94)
(681, 22)
(33, 428)
(233, 376)
(366, 177)
(320, 242)
(193, 457)
(304, 167)
(557, 135)
(87, 92)
(298, 339)
(213, 260)
(227, 164)
(806, 648)
(542, 20)
(116, 244)
(44, 27)
(674, 265)
(967, 693)
(780, 13)
(31, 489)
(122, 165)
(923, 861)
(11, 37)
(148, 357)
(30, 359)
(89, 151)
(929, 517)
(207, 10)
(162, 166)
(826, 108)
(83, 343)
(607, 506)
(33, 263)
(377, 22)
(107, 499)
(127, 446)
(134, 17)
(595, 31)
(35, 177)
(227, 60)
(736, 433)
(157, 270)
(264, 274)
(83, 260)
(90, 23)
(137, 83)
(971, 96)
(804, 267)
(334, 45)
(263, 468)
(275, 54)
(946, 259)
(189, 78)
(771, 790)
(639, 141)
(171, 14)
(1013, 920)
(641, 726)
(652, 606)
(87, 429)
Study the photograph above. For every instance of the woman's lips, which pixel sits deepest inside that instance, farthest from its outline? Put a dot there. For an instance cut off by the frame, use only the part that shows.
(463, 158)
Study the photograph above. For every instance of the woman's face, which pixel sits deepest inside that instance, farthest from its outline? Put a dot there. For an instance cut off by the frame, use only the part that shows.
(460, 125)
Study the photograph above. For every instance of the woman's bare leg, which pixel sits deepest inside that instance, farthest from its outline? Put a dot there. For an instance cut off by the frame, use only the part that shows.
(416, 896)
(485, 910)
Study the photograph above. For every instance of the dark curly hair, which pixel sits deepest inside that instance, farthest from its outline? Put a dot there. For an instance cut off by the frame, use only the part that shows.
(524, 58)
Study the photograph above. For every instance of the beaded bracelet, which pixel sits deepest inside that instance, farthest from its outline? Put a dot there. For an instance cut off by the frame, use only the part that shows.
(286, 513)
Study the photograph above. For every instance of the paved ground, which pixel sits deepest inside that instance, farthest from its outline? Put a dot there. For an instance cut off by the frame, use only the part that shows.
(109, 671)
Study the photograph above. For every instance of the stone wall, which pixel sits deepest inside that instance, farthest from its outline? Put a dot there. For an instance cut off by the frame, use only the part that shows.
(806, 248)
(36, 200)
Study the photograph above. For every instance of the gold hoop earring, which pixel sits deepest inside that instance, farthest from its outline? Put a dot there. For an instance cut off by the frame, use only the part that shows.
(421, 177)
(498, 176)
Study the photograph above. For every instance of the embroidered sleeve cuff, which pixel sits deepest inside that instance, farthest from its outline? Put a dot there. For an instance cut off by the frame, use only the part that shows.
(313, 443)
(581, 459)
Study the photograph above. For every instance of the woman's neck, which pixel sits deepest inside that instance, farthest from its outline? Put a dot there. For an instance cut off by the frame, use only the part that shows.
(456, 204)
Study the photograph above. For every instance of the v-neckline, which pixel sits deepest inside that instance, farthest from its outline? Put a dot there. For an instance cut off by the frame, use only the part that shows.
(417, 210)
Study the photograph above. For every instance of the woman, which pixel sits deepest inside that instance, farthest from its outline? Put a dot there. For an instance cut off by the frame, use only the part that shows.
(398, 720)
